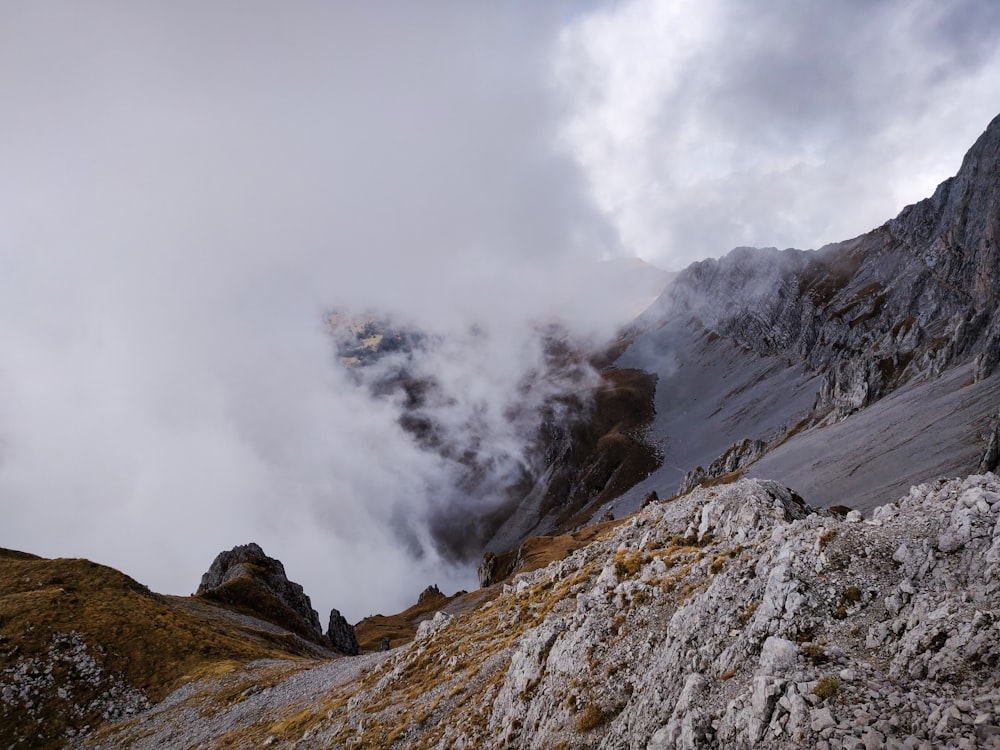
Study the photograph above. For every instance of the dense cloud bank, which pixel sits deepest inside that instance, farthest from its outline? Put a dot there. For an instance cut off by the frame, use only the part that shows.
(188, 189)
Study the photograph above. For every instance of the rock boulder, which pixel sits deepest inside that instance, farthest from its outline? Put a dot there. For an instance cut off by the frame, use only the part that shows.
(250, 581)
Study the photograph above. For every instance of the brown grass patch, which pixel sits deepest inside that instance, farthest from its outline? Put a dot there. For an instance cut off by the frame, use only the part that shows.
(826, 687)
(593, 716)
(152, 642)
(401, 628)
(627, 563)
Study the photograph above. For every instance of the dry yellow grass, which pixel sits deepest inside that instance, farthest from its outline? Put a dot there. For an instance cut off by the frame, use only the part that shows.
(151, 642)
(399, 628)
(627, 563)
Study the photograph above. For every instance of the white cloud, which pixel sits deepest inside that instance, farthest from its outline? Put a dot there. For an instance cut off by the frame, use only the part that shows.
(704, 126)
(187, 187)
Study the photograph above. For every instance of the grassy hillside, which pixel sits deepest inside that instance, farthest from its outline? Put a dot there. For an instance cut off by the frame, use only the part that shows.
(81, 643)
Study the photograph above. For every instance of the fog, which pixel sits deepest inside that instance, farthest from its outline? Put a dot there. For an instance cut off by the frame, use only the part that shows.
(186, 189)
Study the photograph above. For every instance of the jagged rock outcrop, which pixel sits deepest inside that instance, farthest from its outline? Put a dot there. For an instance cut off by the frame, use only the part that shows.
(430, 593)
(487, 569)
(246, 578)
(341, 634)
(494, 567)
(737, 457)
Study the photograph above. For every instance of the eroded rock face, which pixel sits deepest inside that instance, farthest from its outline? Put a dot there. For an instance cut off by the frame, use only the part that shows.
(487, 569)
(831, 631)
(739, 456)
(341, 634)
(248, 579)
(907, 300)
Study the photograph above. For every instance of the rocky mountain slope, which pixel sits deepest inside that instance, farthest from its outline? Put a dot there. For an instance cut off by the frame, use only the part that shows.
(795, 348)
(734, 617)
(583, 423)
(734, 613)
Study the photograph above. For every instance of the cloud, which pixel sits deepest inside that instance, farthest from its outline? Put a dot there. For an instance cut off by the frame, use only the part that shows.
(187, 189)
(705, 126)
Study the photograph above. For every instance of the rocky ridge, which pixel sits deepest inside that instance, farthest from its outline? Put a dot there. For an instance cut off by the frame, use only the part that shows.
(904, 301)
(734, 617)
(739, 456)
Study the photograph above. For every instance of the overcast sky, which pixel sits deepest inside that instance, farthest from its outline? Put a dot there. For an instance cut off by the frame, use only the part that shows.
(186, 186)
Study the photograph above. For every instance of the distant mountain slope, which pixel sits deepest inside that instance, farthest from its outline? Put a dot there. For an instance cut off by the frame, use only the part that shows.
(790, 347)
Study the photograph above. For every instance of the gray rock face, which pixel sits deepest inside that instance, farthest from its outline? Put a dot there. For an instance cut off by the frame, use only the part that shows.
(487, 569)
(739, 456)
(341, 634)
(247, 578)
(830, 634)
(991, 453)
(906, 300)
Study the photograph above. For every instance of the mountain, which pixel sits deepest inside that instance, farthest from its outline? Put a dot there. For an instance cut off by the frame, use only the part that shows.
(864, 366)
(849, 372)
(770, 521)
(734, 617)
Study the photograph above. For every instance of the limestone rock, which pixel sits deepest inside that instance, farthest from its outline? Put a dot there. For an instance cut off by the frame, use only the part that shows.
(246, 578)
(777, 655)
(341, 634)
(487, 569)
(737, 457)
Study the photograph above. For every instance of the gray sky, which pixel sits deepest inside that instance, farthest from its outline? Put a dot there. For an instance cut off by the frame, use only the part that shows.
(186, 186)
